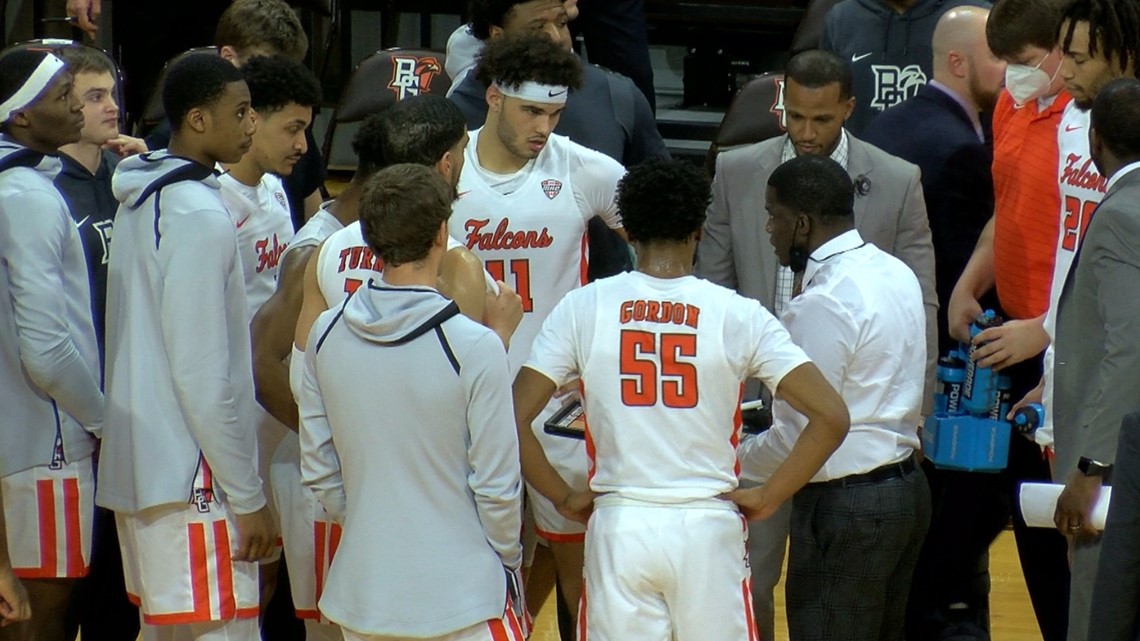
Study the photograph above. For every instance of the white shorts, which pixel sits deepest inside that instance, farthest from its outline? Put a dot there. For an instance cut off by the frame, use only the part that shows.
(49, 516)
(568, 457)
(683, 570)
(311, 537)
(179, 568)
(270, 434)
(504, 629)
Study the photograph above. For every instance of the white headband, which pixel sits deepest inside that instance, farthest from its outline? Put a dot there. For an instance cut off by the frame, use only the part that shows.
(535, 92)
(32, 87)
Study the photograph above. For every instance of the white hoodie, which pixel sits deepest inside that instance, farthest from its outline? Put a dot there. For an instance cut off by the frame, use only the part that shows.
(179, 373)
(408, 438)
(49, 361)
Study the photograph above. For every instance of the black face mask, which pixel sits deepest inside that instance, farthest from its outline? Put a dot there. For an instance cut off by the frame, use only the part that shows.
(797, 256)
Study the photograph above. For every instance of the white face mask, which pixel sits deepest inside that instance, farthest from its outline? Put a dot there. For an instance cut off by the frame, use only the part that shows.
(1027, 83)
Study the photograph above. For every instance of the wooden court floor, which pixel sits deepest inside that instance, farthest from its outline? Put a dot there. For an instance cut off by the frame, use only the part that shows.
(1011, 617)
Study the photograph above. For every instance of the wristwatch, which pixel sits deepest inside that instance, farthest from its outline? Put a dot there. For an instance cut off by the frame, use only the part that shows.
(1090, 467)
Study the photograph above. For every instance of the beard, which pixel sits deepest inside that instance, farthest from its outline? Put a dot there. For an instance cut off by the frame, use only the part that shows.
(985, 97)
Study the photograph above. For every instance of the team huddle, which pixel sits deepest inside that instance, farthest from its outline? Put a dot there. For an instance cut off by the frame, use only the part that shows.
(373, 397)
(387, 455)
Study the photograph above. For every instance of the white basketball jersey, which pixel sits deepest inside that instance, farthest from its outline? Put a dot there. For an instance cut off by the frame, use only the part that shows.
(345, 262)
(661, 363)
(264, 230)
(533, 238)
(1081, 188)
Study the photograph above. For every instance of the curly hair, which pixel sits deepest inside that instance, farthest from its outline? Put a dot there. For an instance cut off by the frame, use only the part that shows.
(491, 13)
(275, 82)
(273, 24)
(401, 211)
(368, 144)
(421, 129)
(528, 57)
(663, 200)
(1114, 28)
(195, 81)
(817, 186)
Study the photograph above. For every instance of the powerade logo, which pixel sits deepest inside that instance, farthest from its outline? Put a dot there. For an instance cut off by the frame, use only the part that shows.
(953, 396)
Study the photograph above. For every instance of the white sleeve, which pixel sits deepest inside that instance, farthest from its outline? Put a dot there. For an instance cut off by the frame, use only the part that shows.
(197, 253)
(769, 352)
(554, 352)
(496, 475)
(825, 330)
(594, 177)
(462, 48)
(296, 371)
(34, 260)
(320, 463)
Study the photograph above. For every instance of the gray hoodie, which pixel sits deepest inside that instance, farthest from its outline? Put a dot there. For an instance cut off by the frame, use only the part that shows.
(49, 361)
(408, 438)
(179, 377)
(890, 53)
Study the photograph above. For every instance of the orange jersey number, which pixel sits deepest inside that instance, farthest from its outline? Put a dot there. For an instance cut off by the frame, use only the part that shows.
(642, 375)
(520, 269)
(1077, 217)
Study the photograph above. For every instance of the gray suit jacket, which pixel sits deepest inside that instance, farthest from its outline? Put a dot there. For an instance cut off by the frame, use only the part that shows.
(1097, 343)
(734, 250)
(1116, 597)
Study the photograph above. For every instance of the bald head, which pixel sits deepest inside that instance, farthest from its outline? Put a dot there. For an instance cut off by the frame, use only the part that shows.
(962, 59)
(961, 29)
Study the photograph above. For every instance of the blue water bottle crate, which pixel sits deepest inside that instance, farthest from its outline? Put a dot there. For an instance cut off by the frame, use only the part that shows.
(967, 443)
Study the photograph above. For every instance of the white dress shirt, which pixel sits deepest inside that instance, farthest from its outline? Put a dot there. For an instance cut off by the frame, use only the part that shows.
(860, 318)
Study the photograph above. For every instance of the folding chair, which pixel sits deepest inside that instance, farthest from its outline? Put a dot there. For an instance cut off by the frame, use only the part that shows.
(755, 114)
(382, 79)
(154, 113)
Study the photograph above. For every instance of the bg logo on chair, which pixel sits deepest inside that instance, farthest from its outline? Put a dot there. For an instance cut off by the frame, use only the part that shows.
(413, 75)
(777, 108)
(894, 85)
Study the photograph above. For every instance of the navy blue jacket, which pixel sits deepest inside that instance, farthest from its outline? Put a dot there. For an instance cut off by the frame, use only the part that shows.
(934, 132)
(889, 52)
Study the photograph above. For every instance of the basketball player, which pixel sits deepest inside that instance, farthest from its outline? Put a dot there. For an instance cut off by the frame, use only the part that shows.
(1101, 44)
(179, 463)
(283, 94)
(422, 129)
(405, 439)
(661, 356)
(525, 198)
(307, 531)
(49, 367)
(99, 605)
(425, 130)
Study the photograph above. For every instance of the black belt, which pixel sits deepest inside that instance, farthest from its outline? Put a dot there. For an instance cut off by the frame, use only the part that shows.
(877, 475)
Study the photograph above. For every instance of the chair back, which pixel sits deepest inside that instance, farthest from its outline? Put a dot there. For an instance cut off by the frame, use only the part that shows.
(381, 80)
(755, 114)
(153, 112)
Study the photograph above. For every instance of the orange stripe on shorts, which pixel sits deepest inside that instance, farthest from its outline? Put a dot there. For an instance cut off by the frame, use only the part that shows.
(72, 530)
(199, 571)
